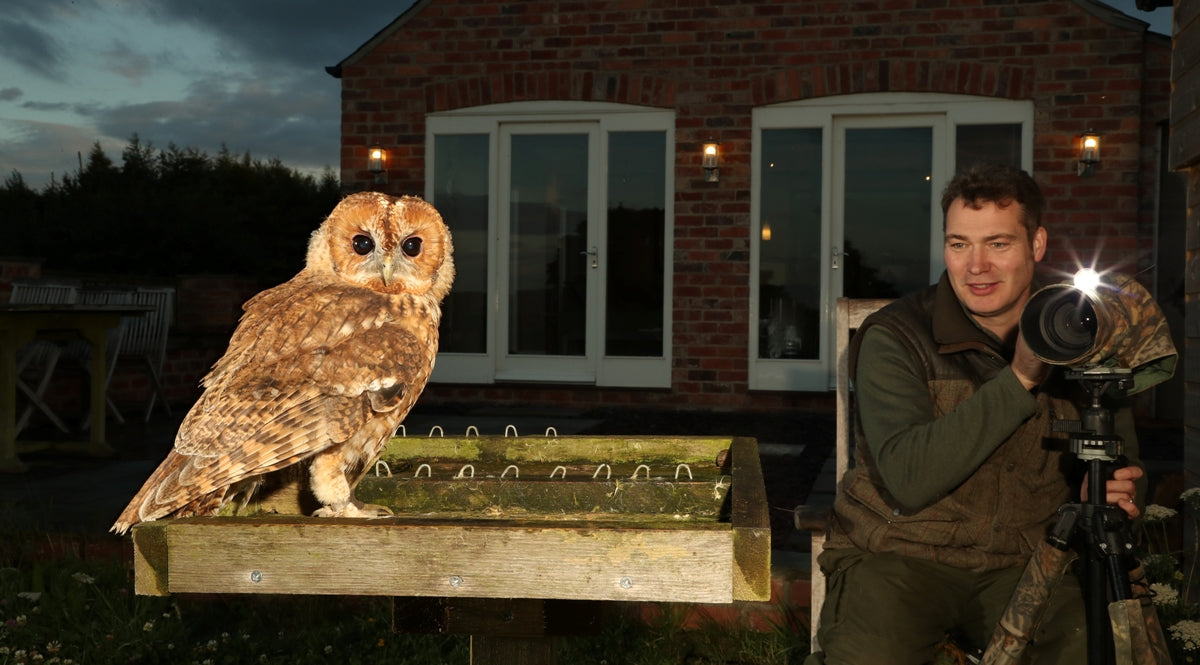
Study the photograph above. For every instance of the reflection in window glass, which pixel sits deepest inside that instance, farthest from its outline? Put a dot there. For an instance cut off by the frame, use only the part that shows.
(789, 280)
(887, 211)
(460, 187)
(978, 144)
(547, 278)
(634, 252)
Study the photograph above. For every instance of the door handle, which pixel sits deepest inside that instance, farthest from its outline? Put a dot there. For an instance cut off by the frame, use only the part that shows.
(594, 252)
(837, 257)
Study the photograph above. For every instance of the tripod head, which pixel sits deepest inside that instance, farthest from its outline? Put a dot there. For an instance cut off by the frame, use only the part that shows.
(1092, 436)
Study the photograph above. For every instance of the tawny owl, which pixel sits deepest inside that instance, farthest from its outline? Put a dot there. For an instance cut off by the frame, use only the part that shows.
(321, 369)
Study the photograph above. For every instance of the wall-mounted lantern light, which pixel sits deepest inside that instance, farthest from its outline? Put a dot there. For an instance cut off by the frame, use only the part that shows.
(766, 231)
(711, 161)
(1089, 153)
(376, 163)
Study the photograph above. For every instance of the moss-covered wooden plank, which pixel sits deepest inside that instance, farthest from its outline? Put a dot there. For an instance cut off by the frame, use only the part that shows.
(553, 499)
(594, 449)
(393, 558)
(751, 523)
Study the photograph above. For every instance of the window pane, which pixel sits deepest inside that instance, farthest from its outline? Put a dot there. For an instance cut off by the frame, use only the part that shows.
(789, 280)
(548, 225)
(460, 187)
(888, 189)
(977, 144)
(634, 252)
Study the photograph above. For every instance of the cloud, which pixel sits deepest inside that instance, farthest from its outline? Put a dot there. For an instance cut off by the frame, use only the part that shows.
(248, 76)
(124, 62)
(33, 49)
(40, 149)
(297, 33)
(286, 119)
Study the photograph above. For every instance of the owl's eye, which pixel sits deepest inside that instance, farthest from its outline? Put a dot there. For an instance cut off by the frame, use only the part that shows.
(411, 246)
(363, 245)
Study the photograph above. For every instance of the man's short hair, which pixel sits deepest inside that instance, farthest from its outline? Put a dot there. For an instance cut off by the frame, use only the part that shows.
(1000, 184)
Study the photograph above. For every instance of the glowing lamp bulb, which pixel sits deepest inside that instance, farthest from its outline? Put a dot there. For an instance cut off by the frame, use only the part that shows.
(1087, 280)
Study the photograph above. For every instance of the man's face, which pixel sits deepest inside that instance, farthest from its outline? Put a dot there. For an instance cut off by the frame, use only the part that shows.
(990, 260)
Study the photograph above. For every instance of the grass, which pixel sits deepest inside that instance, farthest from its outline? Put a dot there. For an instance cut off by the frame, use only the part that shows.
(60, 609)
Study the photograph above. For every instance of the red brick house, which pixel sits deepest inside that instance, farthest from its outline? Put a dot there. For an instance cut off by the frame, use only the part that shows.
(603, 261)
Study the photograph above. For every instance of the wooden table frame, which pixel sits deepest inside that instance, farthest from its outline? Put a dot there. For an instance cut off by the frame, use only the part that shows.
(21, 324)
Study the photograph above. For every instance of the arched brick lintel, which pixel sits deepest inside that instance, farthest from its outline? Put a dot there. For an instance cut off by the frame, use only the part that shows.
(964, 78)
(623, 88)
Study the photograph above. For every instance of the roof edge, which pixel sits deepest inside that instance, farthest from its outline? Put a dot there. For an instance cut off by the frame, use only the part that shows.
(1112, 15)
(336, 70)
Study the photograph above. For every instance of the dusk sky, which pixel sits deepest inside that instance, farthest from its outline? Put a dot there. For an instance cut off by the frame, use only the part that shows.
(249, 74)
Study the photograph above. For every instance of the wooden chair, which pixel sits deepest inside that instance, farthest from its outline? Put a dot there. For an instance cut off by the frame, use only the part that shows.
(815, 519)
(81, 352)
(146, 339)
(37, 360)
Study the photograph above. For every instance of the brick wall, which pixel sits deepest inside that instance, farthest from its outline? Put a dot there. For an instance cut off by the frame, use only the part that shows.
(1185, 156)
(713, 62)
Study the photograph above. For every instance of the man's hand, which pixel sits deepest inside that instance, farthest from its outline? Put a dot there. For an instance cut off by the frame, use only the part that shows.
(1120, 490)
(1029, 370)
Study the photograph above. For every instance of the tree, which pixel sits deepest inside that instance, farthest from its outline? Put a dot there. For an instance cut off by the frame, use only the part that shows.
(168, 212)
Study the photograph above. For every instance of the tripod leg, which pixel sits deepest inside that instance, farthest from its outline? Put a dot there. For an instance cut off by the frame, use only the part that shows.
(1046, 566)
(1147, 644)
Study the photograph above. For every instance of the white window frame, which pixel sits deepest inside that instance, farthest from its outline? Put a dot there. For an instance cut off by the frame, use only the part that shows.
(818, 374)
(613, 371)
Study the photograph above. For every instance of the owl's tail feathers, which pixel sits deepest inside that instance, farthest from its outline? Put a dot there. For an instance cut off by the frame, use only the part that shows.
(170, 491)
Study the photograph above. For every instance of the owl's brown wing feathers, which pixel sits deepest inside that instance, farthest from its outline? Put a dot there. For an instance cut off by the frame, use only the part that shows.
(316, 376)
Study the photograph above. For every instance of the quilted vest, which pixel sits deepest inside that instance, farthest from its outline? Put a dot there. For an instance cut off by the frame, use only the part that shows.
(993, 519)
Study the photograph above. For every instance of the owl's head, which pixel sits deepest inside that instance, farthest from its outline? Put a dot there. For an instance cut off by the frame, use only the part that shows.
(386, 244)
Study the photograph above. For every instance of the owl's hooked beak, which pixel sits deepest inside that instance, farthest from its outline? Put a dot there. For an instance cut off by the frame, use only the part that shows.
(387, 270)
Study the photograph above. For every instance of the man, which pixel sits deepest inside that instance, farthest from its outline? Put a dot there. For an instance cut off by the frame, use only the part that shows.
(958, 474)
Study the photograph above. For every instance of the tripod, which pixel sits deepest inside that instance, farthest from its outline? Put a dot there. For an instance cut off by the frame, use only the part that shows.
(1109, 560)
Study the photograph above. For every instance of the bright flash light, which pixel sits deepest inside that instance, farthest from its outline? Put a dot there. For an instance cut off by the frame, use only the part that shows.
(1087, 280)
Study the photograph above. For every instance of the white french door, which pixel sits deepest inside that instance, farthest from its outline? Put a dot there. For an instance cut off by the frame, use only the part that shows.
(550, 218)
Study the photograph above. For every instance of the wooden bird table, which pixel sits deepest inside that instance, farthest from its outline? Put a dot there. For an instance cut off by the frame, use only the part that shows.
(495, 535)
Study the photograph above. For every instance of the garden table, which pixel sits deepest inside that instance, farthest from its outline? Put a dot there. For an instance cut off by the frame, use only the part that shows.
(21, 324)
(497, 534)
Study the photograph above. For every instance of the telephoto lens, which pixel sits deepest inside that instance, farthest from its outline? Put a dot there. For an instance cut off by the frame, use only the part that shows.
(1062, 324)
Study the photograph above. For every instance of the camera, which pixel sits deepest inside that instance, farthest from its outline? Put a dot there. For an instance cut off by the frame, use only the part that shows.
(1101, 321)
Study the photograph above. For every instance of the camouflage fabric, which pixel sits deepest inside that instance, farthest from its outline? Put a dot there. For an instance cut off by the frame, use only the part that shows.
(1024, 611)
(1132, 332)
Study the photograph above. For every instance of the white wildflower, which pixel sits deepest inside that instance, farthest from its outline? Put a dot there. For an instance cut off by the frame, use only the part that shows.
(32, 596)
(54, 647)
(83, 578)
(328, 649)
(148, 626)
(212, 645)
(1187, 633)
(1157, 513)
(1164, 594)
(4, 651)
(22, 619)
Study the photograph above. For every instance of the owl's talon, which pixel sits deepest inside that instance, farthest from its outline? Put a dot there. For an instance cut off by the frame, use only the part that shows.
(355, 509)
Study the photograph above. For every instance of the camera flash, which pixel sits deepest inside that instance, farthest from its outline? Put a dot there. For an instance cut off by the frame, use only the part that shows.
(1087, 280)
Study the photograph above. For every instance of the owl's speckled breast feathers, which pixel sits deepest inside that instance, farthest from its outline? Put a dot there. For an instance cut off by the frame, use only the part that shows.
(321, 370)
